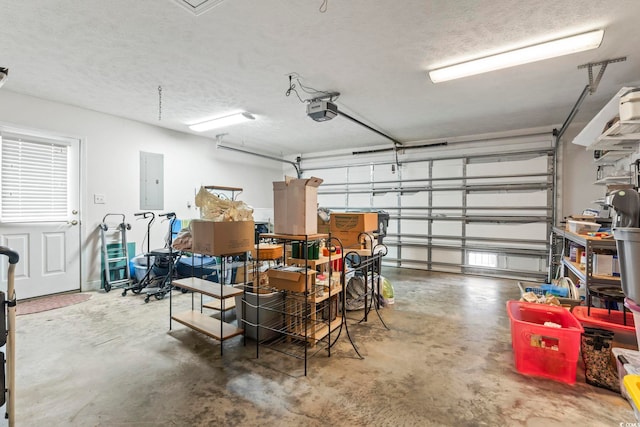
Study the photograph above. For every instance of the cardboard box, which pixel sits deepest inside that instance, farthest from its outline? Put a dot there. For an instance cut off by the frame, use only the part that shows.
(295, 206)
(603, 265)
(360, 222)
(350, 239)
(347, 227)
(582, 227)
(292, 279)
(323, 227)
(222, 238)
(239, 276)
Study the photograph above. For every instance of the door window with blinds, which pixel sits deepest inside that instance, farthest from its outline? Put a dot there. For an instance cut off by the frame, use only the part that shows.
(34, 180)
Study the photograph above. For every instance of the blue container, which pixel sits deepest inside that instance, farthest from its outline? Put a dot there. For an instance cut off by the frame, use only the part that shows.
(204, 267)
(558, 291)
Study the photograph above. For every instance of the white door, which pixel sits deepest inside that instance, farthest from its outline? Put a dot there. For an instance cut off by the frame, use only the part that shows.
(39, 211)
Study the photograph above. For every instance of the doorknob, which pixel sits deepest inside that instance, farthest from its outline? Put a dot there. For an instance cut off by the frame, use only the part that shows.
(74, 222)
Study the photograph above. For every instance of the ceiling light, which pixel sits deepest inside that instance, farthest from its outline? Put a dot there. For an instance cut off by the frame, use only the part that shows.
(219, 122)
(4, 74)
(551, 49)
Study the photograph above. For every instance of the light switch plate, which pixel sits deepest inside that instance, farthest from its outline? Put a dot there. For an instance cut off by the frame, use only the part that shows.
(99, 199)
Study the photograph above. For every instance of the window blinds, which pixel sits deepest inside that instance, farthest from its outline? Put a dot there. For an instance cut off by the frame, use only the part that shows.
(34, 181)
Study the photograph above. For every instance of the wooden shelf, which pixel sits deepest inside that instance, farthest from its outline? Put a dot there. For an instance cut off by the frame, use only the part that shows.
(207, 325)
(581, 239)
(205, 287)
(361, 252)
(216, 304)
(298, 237)
(313, 296)
(579, 271)
(311, 263)
(316, 331)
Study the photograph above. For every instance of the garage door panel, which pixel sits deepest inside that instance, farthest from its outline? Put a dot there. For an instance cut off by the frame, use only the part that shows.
(490, 194)
(512, 231)
(448, 198)
(446, 256)
(446, 228)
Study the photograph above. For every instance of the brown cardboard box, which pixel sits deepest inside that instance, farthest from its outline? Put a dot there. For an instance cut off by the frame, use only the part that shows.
(354, 222)
(349, 239)
(222, 238)
(239, 278)
(291, 279)
(347, 226)
(323, 227)
(295, 206)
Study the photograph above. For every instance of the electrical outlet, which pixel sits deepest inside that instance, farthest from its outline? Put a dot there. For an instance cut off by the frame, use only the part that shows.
(99, 199)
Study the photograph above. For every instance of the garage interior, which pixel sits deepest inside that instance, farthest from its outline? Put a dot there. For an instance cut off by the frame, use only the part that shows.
(477, 176)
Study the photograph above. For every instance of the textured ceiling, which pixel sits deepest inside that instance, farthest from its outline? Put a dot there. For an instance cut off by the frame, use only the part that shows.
(111, 56)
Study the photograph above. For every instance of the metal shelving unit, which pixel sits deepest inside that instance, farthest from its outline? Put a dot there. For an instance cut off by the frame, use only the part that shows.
(622, 135)
(309, 320)
(594, 283)
(196, 319)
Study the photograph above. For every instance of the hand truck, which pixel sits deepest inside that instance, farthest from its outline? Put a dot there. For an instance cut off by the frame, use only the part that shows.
(115, 254)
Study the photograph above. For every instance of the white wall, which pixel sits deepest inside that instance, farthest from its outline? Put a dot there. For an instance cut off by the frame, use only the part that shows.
(110, 151)
(577, 174)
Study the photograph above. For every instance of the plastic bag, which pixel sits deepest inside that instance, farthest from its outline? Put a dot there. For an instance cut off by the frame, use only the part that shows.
(183, 240)
(218, 209)
(387, 292)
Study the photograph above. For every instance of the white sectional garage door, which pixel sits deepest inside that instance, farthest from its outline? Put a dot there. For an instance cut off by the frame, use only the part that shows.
(477, 207)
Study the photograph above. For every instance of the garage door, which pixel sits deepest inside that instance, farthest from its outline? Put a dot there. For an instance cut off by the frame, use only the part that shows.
(476, 207)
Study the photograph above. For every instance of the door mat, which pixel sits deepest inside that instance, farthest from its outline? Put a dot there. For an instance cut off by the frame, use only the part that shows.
(49, 303)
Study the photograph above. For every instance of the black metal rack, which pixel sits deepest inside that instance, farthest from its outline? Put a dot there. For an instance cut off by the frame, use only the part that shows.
(307, 319)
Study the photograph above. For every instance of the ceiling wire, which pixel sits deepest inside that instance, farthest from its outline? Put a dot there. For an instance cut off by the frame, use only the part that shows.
(323, 6)
(332, 96)
(292, 88)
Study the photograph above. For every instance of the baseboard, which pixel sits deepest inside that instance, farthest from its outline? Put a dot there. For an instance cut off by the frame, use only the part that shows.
(94, 285)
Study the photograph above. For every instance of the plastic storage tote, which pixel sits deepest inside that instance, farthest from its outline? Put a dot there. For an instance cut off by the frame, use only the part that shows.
(611, 320)
(201, 266)
(247, 314)
(635, 309)
(628, 245)
(545, 351)
(628, 363)
(632, 388)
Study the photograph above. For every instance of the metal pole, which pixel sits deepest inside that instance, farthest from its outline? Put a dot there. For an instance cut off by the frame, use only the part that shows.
(353, 119)
(11, 346)
(573, 112)
(264, 156)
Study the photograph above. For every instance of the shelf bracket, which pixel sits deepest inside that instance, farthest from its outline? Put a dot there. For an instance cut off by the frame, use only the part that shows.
(593, 84)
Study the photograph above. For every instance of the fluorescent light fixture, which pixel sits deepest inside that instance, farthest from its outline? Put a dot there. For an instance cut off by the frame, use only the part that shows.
(538, 52)
(219, 122)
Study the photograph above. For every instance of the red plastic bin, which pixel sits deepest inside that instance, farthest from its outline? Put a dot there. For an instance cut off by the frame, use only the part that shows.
(541, 350)
(610, 320)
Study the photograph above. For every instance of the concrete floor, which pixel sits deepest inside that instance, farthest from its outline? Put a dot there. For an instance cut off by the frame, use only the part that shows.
(447, 361)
